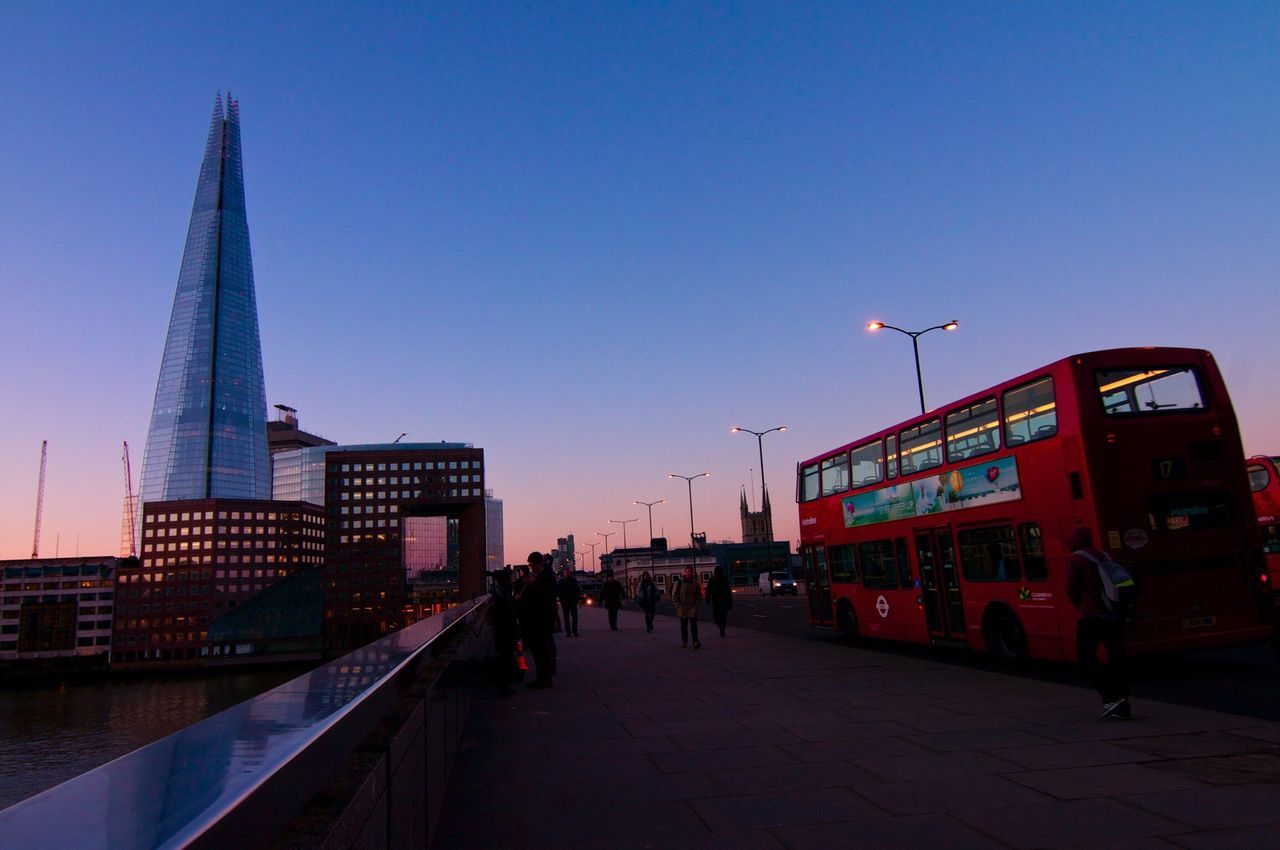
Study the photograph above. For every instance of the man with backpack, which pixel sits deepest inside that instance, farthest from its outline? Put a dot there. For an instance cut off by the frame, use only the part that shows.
(1103, 594)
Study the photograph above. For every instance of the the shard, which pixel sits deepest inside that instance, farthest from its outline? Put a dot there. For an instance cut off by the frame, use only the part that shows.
(208, 435)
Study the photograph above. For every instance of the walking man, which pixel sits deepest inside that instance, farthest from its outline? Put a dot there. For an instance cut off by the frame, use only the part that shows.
(686, 595)
(1097, 624)
(720, 598)
(611, 597)
(569, 593)
(647, 597)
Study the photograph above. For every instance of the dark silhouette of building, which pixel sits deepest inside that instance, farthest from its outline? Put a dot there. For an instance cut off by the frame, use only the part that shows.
(757, 526)
(283, 433)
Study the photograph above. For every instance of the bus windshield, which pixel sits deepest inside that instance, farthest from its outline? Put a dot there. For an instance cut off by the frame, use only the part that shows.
(1127, 392)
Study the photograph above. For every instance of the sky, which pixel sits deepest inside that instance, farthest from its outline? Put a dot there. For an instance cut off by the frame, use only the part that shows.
(591, 237)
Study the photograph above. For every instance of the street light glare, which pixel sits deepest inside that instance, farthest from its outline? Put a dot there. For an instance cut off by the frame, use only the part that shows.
(874, 326)
(951, 325)
(782, 427)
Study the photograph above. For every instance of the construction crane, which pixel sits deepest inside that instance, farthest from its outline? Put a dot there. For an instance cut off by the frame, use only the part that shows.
(128, 543)
(44, 453)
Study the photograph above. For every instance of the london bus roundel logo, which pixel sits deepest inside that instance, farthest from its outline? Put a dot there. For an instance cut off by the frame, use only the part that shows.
(882, 606)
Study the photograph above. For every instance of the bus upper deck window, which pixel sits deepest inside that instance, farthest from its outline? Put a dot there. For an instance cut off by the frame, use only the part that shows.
(1128, 392)
(1030, 412)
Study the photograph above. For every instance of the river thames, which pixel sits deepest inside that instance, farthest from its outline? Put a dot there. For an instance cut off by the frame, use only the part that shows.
(53, 732)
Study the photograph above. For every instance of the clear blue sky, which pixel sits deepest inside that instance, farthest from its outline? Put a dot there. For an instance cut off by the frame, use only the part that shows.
(591, 237)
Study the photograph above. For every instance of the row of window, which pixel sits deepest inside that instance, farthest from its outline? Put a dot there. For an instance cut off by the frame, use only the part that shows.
(260, 516)
(994, 553)
(1030, 414)
(260, 531)
(455, 492)
(416, 466)
(408, 479)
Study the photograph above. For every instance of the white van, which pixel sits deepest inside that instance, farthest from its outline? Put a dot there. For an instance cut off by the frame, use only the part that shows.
(777, 582)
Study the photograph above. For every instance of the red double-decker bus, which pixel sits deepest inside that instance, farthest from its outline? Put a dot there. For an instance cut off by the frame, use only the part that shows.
(949, 527)
(1264, 481)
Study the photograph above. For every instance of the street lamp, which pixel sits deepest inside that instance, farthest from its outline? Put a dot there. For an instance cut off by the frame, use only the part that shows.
(623, 523)
(765, 508)
(650, 505)
(593, 550)
(915, 344)
(693, 544)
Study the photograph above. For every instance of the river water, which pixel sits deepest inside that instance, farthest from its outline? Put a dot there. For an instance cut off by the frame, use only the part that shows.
(52, 733)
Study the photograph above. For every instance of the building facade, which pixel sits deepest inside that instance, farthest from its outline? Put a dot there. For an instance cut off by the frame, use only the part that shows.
(208, 436)
(494, 545)
(388, 508)
(199, 559)
(56, 608)
(757, 526)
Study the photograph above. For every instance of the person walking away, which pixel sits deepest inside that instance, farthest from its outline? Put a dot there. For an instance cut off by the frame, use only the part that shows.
(569, 593)
(537, 602)
(720, 598)
(611, 598)
(1097, 624)
(647, 598)
(686, 595)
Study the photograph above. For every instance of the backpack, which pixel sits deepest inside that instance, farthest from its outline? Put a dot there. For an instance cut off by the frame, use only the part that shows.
(1119, 594)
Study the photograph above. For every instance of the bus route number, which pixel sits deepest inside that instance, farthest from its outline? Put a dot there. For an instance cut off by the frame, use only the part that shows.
(1168, 468)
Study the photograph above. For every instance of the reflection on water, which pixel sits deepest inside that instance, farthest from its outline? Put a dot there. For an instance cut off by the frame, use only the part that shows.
(50, 734)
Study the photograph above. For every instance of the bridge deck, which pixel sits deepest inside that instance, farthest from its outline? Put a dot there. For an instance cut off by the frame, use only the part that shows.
(758, 741)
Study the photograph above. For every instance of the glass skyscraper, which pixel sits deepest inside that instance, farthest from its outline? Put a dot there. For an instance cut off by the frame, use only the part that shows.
(208, 433)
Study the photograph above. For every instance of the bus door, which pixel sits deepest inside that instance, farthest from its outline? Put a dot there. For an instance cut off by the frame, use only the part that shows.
(940, 584)
(817, 579)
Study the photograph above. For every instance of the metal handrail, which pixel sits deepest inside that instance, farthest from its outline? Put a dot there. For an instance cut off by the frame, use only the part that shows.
(238, 777)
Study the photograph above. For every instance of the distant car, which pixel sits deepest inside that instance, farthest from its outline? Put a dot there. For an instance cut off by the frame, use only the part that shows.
(777, 582)
(590, 591)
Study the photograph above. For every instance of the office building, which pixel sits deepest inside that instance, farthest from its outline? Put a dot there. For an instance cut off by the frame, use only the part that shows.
(200, 559)
(56, 609)
(405, 530)
(208, 437)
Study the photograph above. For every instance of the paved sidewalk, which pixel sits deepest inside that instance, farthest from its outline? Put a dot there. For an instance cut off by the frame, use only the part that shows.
(758, 741)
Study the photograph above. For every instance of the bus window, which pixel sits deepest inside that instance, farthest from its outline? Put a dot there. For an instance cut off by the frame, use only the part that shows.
(809, 483)
(1182, 511)
(1134, 391)
(879, 569)
(973, 430)
(843, 568)
(1258, 478)
(891, 460)
(835, 474)
(989, 554)
(1030, 412)
(868, 464)
(904, 565)
(922, 447)
(1033, 552)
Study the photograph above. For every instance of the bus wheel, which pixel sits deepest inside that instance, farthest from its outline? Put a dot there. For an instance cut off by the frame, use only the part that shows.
(1006, 640)
(847, 621)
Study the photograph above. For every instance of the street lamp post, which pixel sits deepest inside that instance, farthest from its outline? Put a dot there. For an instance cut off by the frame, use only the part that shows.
(593, 550)
(606, 535)
(764, 507)
(915, 345)
(623, 523)
(693, 544)
(650, 505)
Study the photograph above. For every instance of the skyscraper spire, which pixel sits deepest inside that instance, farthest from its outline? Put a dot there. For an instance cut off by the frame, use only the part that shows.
(208, 436)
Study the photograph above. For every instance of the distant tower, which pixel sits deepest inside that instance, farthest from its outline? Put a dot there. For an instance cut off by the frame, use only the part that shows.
(208, 434)
(757, 526)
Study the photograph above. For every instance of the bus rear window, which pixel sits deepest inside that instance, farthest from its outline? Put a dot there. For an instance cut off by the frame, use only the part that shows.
(1259, 477)
(1127, 392)
(1185, 511)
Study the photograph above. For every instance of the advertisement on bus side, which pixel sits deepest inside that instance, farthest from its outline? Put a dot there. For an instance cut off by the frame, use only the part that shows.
(954, 490)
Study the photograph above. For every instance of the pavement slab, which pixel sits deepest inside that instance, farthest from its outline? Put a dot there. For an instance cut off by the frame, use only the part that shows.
(763, 742)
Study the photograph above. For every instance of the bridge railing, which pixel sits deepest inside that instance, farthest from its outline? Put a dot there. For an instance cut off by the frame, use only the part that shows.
(374, 722)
